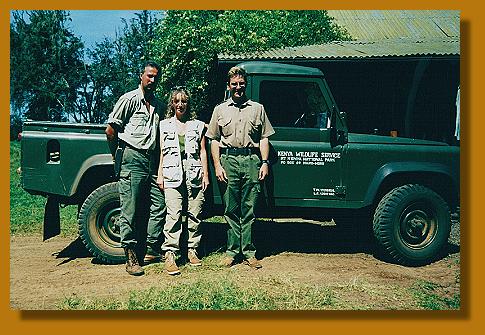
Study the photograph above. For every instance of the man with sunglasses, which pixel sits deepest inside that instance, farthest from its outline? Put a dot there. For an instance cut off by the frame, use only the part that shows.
(239, 129)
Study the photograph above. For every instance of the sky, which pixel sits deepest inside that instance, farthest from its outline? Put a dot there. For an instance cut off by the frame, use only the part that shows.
(94, 25)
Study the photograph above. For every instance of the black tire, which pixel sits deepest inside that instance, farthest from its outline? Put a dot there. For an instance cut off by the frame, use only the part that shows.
(98, 224)
(412, 224)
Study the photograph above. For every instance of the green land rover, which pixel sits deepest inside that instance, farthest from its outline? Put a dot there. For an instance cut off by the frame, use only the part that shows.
(318, 169)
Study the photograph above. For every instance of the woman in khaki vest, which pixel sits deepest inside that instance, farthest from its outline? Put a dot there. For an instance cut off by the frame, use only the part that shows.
(183, 176)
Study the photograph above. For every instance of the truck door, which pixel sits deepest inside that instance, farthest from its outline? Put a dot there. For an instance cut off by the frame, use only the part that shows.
(306, 169)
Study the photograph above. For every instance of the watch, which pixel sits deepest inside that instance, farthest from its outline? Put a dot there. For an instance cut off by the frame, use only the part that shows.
(265, 161)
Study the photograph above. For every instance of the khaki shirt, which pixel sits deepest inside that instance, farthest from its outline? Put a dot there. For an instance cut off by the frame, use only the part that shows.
(239, 126)
(136, 125)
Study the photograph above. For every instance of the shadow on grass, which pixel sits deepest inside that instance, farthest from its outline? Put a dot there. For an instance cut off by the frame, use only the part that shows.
(271, 238)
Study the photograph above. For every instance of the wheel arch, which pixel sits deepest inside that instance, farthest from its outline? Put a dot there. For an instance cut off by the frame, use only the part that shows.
(95, 172)
(436, 177)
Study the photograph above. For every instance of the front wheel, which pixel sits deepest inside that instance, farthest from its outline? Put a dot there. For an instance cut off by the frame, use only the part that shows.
(412, 224)
(98, 224)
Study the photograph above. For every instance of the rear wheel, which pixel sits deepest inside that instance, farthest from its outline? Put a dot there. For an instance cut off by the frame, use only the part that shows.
(98, 224)
(412, 224)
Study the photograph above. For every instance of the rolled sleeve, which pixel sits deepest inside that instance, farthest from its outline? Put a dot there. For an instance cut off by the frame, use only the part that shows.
(267, 129)
(213, 131)
(118, 116)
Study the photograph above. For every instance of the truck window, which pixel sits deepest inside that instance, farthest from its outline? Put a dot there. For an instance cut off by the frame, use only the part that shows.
(294, 103)
(53, 152)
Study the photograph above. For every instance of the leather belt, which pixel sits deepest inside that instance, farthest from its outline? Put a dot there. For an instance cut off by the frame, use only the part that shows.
(239, 151)
(145, 152)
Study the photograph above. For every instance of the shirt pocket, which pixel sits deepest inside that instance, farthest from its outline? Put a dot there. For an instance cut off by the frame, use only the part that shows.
(139, 124)
(226, 126)
(169, 140)
(170, 153)
(171, 168)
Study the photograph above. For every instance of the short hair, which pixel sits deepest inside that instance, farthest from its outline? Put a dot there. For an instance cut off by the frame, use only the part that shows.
(171, 108)
(236, 71)
(150, 63)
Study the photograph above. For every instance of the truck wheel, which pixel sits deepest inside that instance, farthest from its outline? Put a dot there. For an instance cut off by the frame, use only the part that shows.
(98, 224)
(412, 224)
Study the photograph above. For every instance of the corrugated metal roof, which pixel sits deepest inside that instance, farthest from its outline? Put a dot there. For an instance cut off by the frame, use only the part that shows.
(355, 49)
(391, 24)
(377, 33)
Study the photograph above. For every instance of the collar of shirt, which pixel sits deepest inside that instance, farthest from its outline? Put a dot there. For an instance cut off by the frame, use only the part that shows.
(142, 95)
(139, 92)
(231, 101)
(151, 103)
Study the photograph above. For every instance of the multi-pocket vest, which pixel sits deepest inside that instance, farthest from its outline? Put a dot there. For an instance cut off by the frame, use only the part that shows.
(173, 170)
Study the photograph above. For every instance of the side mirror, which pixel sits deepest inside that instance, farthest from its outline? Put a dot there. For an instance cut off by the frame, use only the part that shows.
(338, 127)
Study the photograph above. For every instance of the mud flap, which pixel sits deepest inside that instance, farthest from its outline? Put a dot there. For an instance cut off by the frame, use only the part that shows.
(52, 220)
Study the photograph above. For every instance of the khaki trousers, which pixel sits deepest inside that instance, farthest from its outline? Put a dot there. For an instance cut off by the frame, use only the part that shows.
(176, 200)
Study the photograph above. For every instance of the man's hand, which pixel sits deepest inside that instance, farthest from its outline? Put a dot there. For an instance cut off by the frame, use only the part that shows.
(263, 171)
(220, 173)
(112, 138)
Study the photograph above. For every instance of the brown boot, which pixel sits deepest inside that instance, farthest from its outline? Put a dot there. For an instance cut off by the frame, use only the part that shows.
(132, 265)
(227, 261)
(170, 264)
(193, 258)
(253, 263)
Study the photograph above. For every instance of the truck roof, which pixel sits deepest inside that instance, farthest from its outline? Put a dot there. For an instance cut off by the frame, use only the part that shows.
(279, 69)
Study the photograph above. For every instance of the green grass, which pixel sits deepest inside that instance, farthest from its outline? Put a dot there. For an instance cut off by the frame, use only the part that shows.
(27, 211)
(431, 296)
(212, 287)
(209, 294)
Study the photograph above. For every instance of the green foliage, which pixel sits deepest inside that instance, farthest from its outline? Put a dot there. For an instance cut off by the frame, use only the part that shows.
(188, 42)
(45, 65)
(114, 66)
(27, 211)
(52, 80)
(432, 297)
(15, 124)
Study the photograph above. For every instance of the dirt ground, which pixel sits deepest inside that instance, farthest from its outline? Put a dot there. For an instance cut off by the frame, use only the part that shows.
(42, 274)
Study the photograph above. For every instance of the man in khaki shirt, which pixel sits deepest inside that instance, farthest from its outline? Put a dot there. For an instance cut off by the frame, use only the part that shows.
(239, 129)
(133, 125)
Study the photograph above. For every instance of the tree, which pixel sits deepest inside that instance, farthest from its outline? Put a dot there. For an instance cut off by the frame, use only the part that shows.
(113, 67)
(93, 95)
(45, 64)
(188, 42)
(50, 79)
